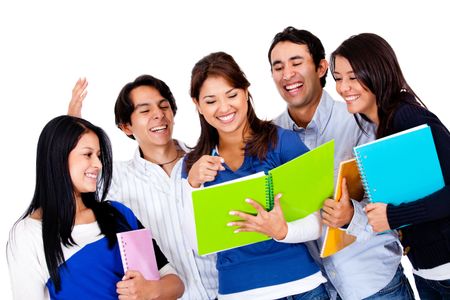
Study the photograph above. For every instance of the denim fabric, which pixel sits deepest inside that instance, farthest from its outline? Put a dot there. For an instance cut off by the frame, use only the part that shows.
(432, 289)
(398, 289)
(319, 293)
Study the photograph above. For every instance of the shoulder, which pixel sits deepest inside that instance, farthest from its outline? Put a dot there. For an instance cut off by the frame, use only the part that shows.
(289, 144)
(283, 119)
(410, 115)
(25, 235)
(124, 210)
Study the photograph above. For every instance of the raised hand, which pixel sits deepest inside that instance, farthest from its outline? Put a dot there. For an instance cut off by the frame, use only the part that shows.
(271, 223)
(79, 92)
(338, 213)
(204, 170)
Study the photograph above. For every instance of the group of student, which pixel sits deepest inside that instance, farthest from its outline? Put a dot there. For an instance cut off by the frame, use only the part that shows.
(64, 246)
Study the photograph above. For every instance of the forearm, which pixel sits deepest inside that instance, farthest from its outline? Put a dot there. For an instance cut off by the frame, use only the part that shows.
(171, 287)
(433, 207)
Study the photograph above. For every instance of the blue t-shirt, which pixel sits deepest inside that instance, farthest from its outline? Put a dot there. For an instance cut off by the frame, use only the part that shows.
(94, 270)
(266, 263)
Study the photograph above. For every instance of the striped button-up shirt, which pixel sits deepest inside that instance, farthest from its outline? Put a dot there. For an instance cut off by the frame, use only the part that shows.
(155, 198)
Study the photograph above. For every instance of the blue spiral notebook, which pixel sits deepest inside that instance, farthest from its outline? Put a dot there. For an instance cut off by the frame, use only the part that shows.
(399, 168)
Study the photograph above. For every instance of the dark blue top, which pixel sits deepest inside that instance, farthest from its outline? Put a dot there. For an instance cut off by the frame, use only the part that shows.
(427, 240)
(266, 263)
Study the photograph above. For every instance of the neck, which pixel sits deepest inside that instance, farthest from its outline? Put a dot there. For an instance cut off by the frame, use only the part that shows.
(166, 156)
(233, 140)
(302, 115)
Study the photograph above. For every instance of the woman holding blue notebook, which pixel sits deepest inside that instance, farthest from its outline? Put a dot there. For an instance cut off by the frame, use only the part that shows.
(246, 145)
(369, 78)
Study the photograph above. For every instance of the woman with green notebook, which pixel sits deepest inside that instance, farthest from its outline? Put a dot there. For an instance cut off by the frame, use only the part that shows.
(369, 78)
(241, 144)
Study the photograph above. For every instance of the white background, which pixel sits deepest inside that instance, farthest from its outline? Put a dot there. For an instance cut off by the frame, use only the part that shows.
(46, 45)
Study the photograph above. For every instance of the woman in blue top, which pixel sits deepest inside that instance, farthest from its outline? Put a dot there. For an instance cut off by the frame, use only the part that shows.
(369, 78)
(65, 246)
(245, 145)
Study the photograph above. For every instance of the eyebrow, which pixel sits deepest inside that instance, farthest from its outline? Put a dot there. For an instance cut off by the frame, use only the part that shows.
(290, 59)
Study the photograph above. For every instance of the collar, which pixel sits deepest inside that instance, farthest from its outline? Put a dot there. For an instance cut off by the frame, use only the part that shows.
(320, 118)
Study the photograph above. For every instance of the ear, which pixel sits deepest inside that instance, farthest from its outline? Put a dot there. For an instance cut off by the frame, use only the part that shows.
(126, 129)
(323, 68)
(196, 104)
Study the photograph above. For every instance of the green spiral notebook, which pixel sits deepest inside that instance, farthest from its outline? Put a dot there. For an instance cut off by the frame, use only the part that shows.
(305, 183)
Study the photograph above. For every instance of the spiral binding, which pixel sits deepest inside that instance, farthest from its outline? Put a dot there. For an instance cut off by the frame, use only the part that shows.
(125, 260)
(269, 192)
(363, 175)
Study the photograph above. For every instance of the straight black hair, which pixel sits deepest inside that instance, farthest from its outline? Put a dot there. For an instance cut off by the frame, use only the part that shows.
(54, 193)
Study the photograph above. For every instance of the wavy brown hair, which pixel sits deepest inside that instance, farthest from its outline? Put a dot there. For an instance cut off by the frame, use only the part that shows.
(263, 133)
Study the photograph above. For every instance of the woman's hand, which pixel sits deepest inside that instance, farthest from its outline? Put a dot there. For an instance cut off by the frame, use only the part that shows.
(79, 92)
(135, 286)
(271, 223)
(377, 215)
(204, 170)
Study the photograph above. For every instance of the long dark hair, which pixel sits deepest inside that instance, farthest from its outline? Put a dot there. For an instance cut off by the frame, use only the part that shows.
(376, 67)
(264, 134)
(54, 193)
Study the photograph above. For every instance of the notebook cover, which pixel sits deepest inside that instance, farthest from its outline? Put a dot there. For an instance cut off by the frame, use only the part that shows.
(305, 183)
(400, 168)
(337, 239)
(137, 253)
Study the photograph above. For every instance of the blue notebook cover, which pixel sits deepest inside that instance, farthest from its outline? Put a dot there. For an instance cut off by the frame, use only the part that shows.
(399, 168)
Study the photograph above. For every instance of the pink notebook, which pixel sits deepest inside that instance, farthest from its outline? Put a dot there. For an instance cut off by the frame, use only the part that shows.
(137, 253)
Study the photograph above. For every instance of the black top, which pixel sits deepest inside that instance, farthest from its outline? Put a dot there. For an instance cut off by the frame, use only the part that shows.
(427, 239)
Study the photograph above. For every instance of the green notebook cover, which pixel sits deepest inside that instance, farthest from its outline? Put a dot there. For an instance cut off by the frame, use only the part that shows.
(309, 176)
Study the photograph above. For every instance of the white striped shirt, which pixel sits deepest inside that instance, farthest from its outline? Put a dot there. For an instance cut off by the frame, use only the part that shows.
(156, 199)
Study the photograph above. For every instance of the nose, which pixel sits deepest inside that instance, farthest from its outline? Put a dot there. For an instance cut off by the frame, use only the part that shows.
(158, 113)
(96, 162)
(343, 86)
(287, 73)
(224, 105)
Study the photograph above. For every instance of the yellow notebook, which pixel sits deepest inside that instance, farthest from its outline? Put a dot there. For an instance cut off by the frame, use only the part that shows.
(337, 239)
(305, 183)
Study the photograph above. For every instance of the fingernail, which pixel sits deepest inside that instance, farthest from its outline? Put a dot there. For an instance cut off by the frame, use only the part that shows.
(236, 231)
(233, 213)
(248, 200)
(230, 224)
(222, 160)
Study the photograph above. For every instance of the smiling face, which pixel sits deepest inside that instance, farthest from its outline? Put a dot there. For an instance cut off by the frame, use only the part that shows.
(295, 74)
(85, 164)
(223, 106)
(359, 99)
(152, 118)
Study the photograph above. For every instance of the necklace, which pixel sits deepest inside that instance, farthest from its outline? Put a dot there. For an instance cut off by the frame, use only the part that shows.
(166, 163)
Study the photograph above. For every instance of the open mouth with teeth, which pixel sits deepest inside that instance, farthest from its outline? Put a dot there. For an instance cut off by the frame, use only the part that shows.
(159, 128)
(351, 98)
(91, 175)
(227, 118)
(293, 88)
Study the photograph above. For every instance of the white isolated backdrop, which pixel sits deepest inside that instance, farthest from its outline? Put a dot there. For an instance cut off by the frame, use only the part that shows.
(47, 45)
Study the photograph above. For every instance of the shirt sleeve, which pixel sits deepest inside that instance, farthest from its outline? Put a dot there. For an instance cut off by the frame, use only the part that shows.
(28, 279)
(303, 230)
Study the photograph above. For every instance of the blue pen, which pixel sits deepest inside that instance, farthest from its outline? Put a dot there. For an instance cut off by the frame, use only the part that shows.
(214, 152)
